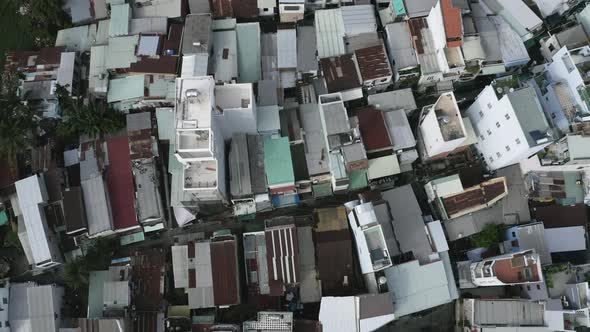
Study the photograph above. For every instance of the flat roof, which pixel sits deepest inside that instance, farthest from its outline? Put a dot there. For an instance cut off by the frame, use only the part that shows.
(74, 213)
(400, 132)
(248, 36)
(306, 57)
(119, 21)
(197, 35)
(555, 216)
(225, 59)
(401, 46)
(120, 183)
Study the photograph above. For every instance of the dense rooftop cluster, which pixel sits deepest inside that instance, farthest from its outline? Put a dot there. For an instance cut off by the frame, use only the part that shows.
(302, 165)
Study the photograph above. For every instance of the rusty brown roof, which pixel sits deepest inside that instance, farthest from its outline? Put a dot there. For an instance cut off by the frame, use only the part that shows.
(50, 55)
(161, 65)
(555, 216)
(224, 270)
(140, 144)
(416, 26)
(373, 130)
(373, 62)
(282, 257)
(245, 8)
(147, 273)
(453, 23)
(473, 197)
(222, 8)
(340, 73)
(334, 254)
(172, 42)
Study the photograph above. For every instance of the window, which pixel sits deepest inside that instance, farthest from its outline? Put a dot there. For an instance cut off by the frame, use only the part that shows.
(551, 48)
(517, 141)
(507, 116)
(489, 105)
(265, 9)
(507, 147)
(498, 124)
(4, 300)
(513, 234)
(528, 287)
(498, 154)
(538, 287)
(491, 159)
(430, 78)
(481, 114)
(482, 137)
(489, 132)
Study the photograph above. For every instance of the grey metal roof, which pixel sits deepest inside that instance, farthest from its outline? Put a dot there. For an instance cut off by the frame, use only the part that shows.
(354, 152)
(399, 130)
(139, 121)
(96, 203)
(359, 19)
(414, 287)
(148, 25)
(401, 46)
(419, 8)
(314, 139)
(394, 100)
(197, 35)
(532, 236)
(256, 158)
(239, 167)
(309, 286)
(147, 198)
(472, 223)
(267, 92)
(225, 58)
(306, 56)
(509, 312)
(516, 203)
(408, 224)
(336, 118)
(199, 6)
(248, 35)
(530, 114)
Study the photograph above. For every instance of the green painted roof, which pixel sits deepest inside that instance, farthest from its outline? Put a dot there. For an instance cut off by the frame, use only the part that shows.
(399, 8)
(132, 238)
(277, 161)
(96, 282)
(126, 88)
(119, 23)
(248, 35)
(574, 192)
(165, 118)
(3, 218)
(358, 179)
(578, 146)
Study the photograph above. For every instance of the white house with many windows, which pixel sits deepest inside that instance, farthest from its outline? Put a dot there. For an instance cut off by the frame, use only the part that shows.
(509, 123)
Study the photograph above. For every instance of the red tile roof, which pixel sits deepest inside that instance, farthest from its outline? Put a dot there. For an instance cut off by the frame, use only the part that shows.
(373, 130)
(453, 23)
(224, 268)
(373, 62)
(120, 183)
(282, 256)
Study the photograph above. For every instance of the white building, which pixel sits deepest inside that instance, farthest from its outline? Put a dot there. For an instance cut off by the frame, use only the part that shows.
(291, 10)
(39, 238)
(35, 308)
(562, 91)
(518, 15)
(235, 109)
(441, 128)
(362, 313)
(510, 124)
(199, 142)
(518, 268)
(370, 241)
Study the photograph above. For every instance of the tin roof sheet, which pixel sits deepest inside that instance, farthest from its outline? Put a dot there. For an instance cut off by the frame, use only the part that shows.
(120, 183)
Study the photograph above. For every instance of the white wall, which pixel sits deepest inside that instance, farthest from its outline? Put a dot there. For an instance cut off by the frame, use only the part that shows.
(507, 134)
(558, 71)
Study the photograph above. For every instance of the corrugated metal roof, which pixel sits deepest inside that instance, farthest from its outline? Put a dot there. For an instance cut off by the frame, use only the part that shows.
(95, 202)
(42, 307)
(340, 73)
(198, 6)
(165, 119)
(248, 35)
(149, 25)
(373, 129)
(359, 19)
(120, 183)
(286, 48)
(201, 295)
(180, 266)
(518, 312)
(277, 161)
(453, 23)
(77, 39)
(382, 167)
(225, 61)
(373, 62)
(96, 281)
(149, 202)
(394, 100)
(224, 267)
(306, 56)
(317, 161)
(32, 194)
(401, 46)
(194, 65)
(282, 252)
(119, 23)
(121, 52)
(167, 8)
(126, 88)
(419, 8)
(310, 288)
(257, 168)
(399, 130)
(73, 207)
(239, 166)
(330, 32)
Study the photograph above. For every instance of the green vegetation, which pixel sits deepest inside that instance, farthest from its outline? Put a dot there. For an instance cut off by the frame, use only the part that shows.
(489, 236)
(93, 120)
(551, 270)
(30, 23)
(98, 257)
(17, 121)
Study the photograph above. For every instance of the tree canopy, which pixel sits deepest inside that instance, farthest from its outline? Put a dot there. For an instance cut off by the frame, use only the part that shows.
(489, 236)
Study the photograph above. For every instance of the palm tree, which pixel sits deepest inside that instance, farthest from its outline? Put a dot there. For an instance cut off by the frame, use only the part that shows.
(76, 274)
(93, 120)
